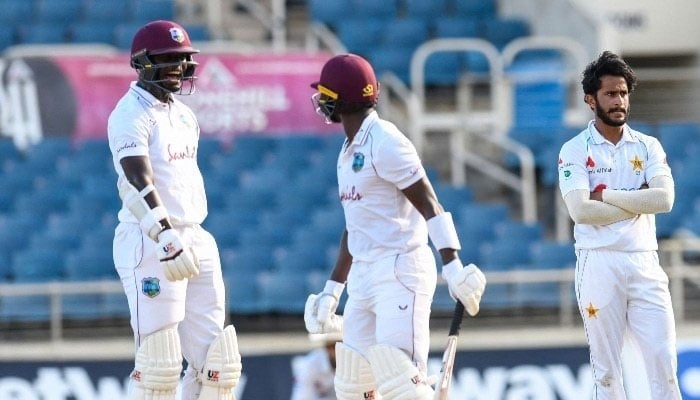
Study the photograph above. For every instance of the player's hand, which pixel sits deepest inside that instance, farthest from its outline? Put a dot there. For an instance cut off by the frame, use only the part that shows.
(319, 311)
(178, 262)
(466, 284)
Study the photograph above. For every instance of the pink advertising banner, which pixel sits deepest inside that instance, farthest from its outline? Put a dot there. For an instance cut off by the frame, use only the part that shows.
(260, 93)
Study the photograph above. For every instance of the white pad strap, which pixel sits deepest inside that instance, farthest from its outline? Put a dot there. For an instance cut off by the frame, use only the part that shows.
(157, 367)
(222, 368)
(442, 232)
(353, 375)
(149, 218)
(397, 377)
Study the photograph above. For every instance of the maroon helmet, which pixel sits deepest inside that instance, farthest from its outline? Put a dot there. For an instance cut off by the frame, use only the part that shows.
(345, 79)
(162, 37)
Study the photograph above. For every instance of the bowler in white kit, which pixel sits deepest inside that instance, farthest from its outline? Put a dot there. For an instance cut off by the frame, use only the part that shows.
(390, 212)
(168, 264)
(614, 180)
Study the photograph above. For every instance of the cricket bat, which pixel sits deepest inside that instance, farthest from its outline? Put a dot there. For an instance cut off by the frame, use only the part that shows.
(442, 388)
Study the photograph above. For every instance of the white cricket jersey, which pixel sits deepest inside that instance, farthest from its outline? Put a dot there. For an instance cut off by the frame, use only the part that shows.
(372, 171)
(168, 134)
(588, 160)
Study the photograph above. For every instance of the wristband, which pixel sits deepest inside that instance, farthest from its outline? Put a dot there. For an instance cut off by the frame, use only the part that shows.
(333, 288)
(442, 232)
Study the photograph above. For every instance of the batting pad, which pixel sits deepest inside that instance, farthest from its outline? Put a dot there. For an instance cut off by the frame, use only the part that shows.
(158, 366)
(353, 375)
(222, 368)
(397, 377)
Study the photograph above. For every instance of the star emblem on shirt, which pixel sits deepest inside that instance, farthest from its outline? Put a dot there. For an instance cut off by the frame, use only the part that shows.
(592, 311)
(637, 163)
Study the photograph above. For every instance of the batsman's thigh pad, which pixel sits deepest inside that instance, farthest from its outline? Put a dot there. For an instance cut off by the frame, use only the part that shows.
(158, 366)
(397, 377)
(353, 375)
(222, 368)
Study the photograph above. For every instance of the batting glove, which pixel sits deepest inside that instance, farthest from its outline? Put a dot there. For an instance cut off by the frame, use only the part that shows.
(466, 284)
(319, 311)
(178, 262)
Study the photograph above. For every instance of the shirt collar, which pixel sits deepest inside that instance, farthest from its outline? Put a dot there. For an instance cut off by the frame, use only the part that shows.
(597, 138)
(144, 95)
(363, 132)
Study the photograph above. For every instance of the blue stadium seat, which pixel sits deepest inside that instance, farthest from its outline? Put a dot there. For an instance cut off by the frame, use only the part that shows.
(7, 39)
(330, 12)
(360, 35)
(301, 258)
(519, 231)
(253, 258)
(197, 32)
(546, 254)
(225, 231)
(504, 254)
(43, 33)
(405, 32)
(476, 221)
(283, 292)
(385, 10)
(241, 292)
(453, 197)
(443, 68)
(114, 305)
(149, 10)
(15, 232)
(481, 9)
(16, 11)
(501, 31)
(37, 265)
(458, 27)
(124, 34)
(396, 60)
(499, 256)
(5, 268)
(25, 308)
(442, 300)
(90, 264)
(428, 10)
(476, 63)
(57, 11)
(41, 202)
(679, 139)
(105, 11)
(92, 31)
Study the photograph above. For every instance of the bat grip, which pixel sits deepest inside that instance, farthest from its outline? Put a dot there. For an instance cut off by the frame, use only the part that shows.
(456, 318)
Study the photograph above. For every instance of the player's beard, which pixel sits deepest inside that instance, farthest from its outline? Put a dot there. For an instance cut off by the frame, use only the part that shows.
(603, 116)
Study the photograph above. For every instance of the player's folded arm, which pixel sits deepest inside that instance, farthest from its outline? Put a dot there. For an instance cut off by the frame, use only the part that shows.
(592, 212)
(658, 198)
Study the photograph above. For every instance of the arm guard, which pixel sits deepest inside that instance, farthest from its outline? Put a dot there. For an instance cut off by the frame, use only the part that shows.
(134, 200)
(585, 211)
(657, 199)
(442, 232)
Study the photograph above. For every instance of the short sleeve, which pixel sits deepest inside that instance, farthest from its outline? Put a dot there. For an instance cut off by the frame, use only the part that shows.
(128, 135)
(396, 160)
(657, 165)
(573, 174)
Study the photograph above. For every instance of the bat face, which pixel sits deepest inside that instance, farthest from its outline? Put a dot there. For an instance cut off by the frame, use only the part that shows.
(448, 358)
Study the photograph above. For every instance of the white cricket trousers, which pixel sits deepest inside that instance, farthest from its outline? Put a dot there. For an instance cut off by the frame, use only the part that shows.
(622, 293)
(389, 303)
(196, 305)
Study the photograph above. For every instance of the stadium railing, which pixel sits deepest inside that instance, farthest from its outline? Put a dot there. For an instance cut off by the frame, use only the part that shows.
(684, 278)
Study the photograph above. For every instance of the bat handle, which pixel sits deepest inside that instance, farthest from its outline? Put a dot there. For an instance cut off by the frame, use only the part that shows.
(457, 318)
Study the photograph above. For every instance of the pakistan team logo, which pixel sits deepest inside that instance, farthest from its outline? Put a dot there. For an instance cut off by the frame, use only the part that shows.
(150, 287)
(358, 161)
